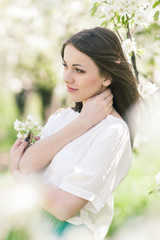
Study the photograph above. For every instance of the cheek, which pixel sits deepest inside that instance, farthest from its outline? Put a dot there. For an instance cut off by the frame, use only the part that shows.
(91, 86)
(94, 82)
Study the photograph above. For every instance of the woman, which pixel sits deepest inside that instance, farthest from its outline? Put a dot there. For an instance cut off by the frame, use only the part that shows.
(86, 151)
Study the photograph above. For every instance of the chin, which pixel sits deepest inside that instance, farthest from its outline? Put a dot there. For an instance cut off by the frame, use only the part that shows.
(75, 98)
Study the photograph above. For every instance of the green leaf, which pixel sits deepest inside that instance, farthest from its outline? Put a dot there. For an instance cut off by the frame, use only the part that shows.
(151, 191)
(156, 4)
(118, 18)
(123, 20)
(33, 140)
(94, 8)
(102, 16)
(104, 24)
(117, 27)
(156, 16)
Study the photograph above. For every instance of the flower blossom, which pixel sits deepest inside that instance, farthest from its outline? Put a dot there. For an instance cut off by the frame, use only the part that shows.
(28, 128)
(129, 46)
(134, 9)
(30, 118)
(147, 89)
(17, 125)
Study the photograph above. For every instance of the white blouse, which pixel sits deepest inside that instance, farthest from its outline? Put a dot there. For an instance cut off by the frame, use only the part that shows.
(91, 167)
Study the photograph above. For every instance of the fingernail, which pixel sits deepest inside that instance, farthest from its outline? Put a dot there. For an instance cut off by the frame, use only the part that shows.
(27, 138)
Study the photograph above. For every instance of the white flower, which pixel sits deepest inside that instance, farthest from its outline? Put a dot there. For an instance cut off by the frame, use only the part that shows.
(158, 178)
(25, 135)
(23, 127)
(39, 128)
(129, 46)
(30, 118)
(27, 123)
(36, 124)
(143, 4)
(109, 11)
(17, 125)
(27, 131)
(147, 89)
(19, 135)
(122, 10)
(140, 17)
(28, 127)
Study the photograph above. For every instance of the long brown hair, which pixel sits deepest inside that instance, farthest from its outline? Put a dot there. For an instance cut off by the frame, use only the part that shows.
(104, 48)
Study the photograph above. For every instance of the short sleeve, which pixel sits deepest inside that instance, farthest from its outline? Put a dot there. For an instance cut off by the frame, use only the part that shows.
(102, 168)
(55, 122)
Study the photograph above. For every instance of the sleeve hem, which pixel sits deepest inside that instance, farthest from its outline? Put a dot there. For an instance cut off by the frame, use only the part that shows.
(96, 203)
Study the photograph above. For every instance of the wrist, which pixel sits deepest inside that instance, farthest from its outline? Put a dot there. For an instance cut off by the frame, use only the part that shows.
(83, 123)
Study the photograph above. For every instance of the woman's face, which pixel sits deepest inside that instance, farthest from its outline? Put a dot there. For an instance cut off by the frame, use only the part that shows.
(81, 75)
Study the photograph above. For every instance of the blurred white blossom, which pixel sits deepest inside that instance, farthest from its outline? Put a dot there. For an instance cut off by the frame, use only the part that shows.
(30, 118)
(17, 125)
(129, 46)
(108, 11)
(140, 17)
(147, 89)
(137, 11)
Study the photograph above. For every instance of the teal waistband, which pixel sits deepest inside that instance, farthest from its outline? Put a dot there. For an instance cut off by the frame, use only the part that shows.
(56, 226)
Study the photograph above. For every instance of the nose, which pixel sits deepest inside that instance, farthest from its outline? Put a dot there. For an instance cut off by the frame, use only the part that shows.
(68, 76)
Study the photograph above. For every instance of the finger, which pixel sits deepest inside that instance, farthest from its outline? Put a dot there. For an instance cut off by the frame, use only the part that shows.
(109, 110)
(16, 144)
(105, 93)
(37, 138)
(22, 147)
(110, 103)
(109, 98)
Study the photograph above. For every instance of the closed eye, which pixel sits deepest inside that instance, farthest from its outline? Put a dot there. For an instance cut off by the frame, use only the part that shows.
(64, 64)
(76, 69)
(79, 70)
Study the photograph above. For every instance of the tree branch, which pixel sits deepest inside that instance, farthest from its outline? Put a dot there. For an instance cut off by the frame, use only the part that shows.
(133, 58)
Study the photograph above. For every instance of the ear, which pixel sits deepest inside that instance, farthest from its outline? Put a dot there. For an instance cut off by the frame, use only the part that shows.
(106, 82)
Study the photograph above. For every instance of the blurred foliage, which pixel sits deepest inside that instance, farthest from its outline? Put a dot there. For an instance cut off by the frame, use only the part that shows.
(17, 235)
(9, 111)
(43, 80)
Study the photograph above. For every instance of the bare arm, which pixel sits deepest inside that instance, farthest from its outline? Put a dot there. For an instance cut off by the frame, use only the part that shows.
(59, 203)
(40, 154)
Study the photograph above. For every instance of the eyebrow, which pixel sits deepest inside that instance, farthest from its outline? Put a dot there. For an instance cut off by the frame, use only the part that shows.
(76, 64)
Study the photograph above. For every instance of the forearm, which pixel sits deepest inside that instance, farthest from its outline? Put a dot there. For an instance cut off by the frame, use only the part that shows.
(40, 154)
(59, 203)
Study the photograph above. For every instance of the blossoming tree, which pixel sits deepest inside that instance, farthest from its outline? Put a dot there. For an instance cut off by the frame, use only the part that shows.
(127, 18)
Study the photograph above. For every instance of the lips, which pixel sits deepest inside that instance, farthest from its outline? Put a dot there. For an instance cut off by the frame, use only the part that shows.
(71, 89)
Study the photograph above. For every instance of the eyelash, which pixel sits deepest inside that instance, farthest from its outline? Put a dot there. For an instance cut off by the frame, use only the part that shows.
(77, 69)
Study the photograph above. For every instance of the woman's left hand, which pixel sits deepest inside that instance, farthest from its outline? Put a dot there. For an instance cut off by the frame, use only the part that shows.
(16, 153)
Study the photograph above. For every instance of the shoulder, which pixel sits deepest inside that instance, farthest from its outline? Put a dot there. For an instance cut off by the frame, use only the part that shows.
(54, 120)
(115, 125)
(62, 112)
(112, 131)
